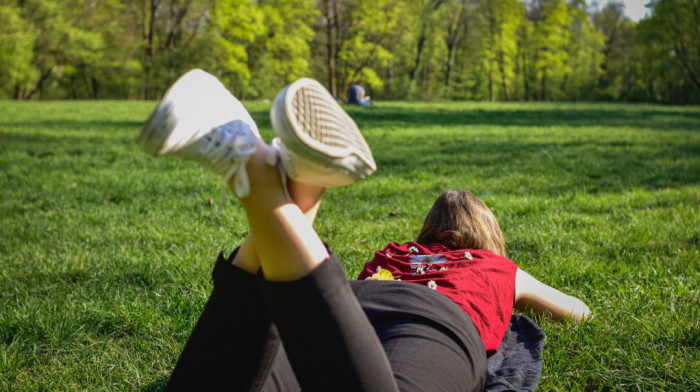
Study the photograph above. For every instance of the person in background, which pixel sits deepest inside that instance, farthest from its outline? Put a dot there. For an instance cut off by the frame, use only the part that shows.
(356, 95)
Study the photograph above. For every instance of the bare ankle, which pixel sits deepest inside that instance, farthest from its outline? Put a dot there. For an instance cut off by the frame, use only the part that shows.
(306, 196)
(266, 188)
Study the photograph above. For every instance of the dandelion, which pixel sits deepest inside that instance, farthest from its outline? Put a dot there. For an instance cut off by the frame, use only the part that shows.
(432, 285)
(468, 255)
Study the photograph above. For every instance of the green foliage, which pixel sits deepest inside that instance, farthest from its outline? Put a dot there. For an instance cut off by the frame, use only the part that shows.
(261, 46)
(237, 24)
(671, 43)
(16, 51)
(432, 69)
(416, 49)
(585, 49)
(502, 19)
(54, 40)
(551, 35)
(284, 55)
(374, 33)
(619, 63)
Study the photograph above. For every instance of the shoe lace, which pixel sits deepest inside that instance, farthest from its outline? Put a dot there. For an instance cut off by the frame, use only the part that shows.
(227, 150)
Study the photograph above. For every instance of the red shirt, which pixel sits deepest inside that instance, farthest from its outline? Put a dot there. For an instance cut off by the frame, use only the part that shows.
(479, 281)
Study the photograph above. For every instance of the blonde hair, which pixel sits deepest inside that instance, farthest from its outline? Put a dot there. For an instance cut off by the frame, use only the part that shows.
(459, 220)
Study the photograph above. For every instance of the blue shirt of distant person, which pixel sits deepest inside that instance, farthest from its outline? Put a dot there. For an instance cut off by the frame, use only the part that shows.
(356, 95)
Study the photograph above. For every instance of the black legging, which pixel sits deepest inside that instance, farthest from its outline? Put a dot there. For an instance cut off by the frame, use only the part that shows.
(331, 341)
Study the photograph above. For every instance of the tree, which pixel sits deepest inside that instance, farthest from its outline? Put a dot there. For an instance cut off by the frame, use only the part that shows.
(619, 43)
(551, 35)
(16, 53)
(65, 46)
(101, 52)
(423, 49)
(526, 56)
(427, 11)
(501, 20)
(676, 24)
(169, 31)
(281, 53)
(257, 47)
(457, 30)
(235, 26)
(332, 12)
(373, 38)
(585, 53)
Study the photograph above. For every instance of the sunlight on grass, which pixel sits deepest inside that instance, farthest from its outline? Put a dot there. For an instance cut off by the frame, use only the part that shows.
(106, 253)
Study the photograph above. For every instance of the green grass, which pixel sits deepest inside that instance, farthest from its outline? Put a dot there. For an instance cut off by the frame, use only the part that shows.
(106, 253)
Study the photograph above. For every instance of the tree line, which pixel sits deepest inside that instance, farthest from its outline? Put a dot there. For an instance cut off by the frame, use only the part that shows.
(493, 50)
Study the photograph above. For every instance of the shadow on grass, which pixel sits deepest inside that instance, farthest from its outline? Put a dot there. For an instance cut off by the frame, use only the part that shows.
(64, 124)
(593, 160)
(548, 168)
(579, 161)
(572, 115)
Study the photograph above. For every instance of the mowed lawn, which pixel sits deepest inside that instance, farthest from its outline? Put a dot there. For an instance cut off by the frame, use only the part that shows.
(106, 253)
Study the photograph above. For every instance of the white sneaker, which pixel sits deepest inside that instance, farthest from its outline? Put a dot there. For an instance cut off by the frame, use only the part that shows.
(199, 120)
(320, 143)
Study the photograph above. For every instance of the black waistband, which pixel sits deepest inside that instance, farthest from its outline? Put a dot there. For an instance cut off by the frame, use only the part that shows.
(390, 301)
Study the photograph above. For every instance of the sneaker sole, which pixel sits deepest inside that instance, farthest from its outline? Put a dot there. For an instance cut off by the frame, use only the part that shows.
(312, 125)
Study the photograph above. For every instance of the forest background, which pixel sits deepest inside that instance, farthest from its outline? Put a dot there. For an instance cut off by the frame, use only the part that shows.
(492, 50)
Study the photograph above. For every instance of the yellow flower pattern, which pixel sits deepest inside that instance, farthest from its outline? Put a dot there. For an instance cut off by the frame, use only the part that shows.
(381, 274)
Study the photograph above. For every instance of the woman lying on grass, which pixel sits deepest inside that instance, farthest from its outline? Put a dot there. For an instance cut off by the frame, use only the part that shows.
(430, 328)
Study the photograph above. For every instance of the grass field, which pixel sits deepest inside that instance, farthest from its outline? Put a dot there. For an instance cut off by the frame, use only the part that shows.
(106, 253)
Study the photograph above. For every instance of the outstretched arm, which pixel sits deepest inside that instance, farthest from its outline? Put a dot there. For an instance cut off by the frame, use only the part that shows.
(530, 293)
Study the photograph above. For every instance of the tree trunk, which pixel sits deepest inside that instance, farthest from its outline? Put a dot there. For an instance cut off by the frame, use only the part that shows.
(492, 98)
(95, 88)
(329, 11)
(73, 93)
(150, 17)
(526, 79)
(448, 73)
(689, 69)
(39, 86)
(417, 64)
(421, 44)
(337, 42)
(455, 31)
(502, 68)
(177, 15)
(543, 86)
(87, 82)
